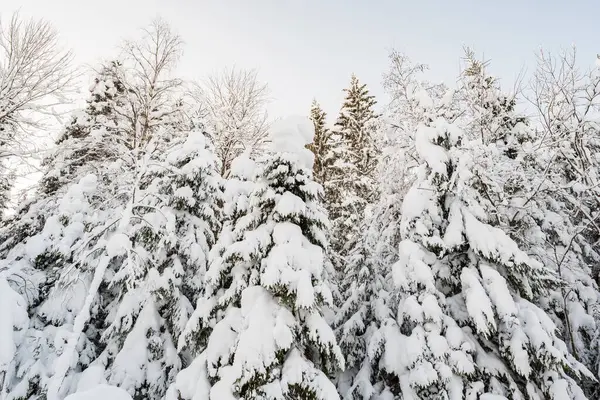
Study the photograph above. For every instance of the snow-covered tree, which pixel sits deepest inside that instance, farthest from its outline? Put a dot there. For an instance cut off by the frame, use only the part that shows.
(321, 144)
(490, 114)
(369, 299)
(36, 75)
(154, 96)
(237, 189)
(38, 242)
(365, 310)
(567, 100)
(466, 321)
(144, 269)
(354, 159)
(114, 240)
(552, 195)
(529, 204)
(402, 115)
(97, 134)
(261, 312)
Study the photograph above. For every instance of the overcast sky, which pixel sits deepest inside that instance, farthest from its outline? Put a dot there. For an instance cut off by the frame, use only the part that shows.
(307, 49)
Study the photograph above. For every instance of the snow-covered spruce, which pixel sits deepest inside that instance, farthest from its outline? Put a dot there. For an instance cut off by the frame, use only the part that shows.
(130, 273)
(92, 137)
(320, 145)
(465, 326)
(365, 309)
(77, 195)
(96, 134)
(368, 297)
(149, 265)
(237, 189)
(267, 338)
(352, 164)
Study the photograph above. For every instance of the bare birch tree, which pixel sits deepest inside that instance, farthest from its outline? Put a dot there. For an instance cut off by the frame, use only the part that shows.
(233, 104)
(146, 73)
(36, 80)
(35, 74)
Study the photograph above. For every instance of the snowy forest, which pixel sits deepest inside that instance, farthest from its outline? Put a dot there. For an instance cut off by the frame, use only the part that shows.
(183, 244)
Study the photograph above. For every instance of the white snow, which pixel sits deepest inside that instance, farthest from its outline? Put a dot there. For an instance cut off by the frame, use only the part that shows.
(13, 321)
(422, 97)
(118, 244)
(477, 301)
(192, 382)
(101, 392)
(64, 361)
(435, 156)
(290, 136)
(187, 194)
(91, 377)
(290, 205)
(497, 290)
(195, 143)
(243, 166)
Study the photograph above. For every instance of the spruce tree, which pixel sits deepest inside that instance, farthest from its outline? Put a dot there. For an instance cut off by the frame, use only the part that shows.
(111, 247)
(368, 297)
(147, 266)
(466, 319)
(266, 337)
(103, 126)
(65, 253)
(94, 135)
(38, 243)
(354, 162)
(321, 144)
(365, 310)
(237, 189)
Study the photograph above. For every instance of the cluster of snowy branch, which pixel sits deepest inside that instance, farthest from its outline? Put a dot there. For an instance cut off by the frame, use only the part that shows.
(186, 249)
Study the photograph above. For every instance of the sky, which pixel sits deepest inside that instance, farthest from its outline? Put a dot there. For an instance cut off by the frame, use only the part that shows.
(307, 49)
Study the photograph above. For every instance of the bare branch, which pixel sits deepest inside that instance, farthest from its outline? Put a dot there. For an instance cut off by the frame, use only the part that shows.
(36, 75)
(149, 63)
(233, 103)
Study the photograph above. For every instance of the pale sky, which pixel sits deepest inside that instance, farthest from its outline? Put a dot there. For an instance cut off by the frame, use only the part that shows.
(307, 49)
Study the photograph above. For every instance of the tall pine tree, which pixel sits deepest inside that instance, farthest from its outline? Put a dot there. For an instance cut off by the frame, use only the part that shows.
(321, 144)
(354, 161)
